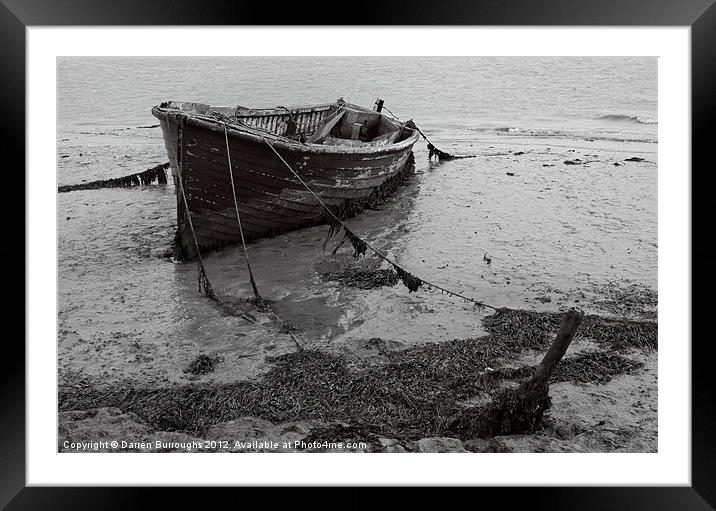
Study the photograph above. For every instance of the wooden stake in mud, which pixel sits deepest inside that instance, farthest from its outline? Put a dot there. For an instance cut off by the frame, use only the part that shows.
(519, 410)
(559, 347)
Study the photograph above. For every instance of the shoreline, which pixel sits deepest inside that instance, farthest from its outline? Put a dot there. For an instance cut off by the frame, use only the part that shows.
(400, 400)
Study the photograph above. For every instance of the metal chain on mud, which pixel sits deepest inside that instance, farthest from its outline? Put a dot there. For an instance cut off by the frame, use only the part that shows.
(404, 274)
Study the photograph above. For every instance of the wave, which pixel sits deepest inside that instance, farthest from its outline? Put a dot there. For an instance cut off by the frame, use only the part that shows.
(508, 131)
(629, 118)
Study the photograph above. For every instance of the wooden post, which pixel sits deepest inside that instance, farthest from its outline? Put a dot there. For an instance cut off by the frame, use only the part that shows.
(558, 348)
(519, 410)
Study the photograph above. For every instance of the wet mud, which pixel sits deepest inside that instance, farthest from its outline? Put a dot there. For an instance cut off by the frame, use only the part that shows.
(131, 321)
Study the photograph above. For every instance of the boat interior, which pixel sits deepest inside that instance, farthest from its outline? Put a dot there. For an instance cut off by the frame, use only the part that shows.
(332, 124)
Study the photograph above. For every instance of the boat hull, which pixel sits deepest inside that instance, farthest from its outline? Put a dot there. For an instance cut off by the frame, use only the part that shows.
(270, 199)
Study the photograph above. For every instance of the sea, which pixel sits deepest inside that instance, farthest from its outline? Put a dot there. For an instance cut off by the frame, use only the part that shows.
(515, 225)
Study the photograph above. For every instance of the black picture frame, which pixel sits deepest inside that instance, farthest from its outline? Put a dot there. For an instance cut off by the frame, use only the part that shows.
(700, 15)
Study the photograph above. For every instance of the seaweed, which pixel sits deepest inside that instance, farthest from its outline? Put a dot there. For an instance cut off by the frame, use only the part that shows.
(203, 364)
(359, 246)
(409, 280)
(535, 328)
(622, 335)
(411, 395)
(205, 286)
(364, 279)
(407, 394)
(147, 177)
(510, 411)
(593, 367)
(334, 227)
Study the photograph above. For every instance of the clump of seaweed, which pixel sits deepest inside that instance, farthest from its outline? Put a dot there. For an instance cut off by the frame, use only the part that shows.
(334, 227)
(594, 367)
(409, 280)
(359, 246)
(631, 300)
(621, 334)
(521, 328)
(203, 364)
(260, 304)
(286, 327)
(147, 177)
(534, 329)
(364, 279)
(510, 411)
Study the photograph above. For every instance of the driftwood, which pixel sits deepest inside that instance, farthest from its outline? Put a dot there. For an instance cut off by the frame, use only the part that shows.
(519, 410)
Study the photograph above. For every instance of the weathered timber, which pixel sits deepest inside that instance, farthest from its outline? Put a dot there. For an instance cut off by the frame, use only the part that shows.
(270, 198)
(519, 410)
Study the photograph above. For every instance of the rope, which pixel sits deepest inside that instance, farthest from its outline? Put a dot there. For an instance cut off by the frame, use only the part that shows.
(432, 150)
(391, 113)
(238, 217)
(400, 270)
(204, 283)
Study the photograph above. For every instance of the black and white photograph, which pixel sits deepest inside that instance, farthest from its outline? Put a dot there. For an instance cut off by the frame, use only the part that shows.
(368, 254)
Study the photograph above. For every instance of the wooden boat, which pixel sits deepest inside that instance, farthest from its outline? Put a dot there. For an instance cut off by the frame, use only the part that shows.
(347, 155)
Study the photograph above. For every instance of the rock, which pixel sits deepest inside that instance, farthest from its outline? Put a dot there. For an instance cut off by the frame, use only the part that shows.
(634, 158)
(247, 429)
(440, 444)
(477, 445)
(497, 445)
(510, 173)
(102, 426)
(575, 161)
(243, 428)
(518, 153)
(387, 442)
(395, 448)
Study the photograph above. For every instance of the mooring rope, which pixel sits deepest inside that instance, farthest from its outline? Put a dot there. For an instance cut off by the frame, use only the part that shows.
(407, 278)
(391, 113)
(432, 150)
(238, 217)
(204, 283)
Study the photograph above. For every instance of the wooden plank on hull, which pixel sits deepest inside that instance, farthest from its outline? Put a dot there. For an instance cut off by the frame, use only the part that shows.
(308, 167)
(269, 182)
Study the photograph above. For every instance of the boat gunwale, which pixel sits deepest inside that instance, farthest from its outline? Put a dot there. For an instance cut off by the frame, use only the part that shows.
(248, 132)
